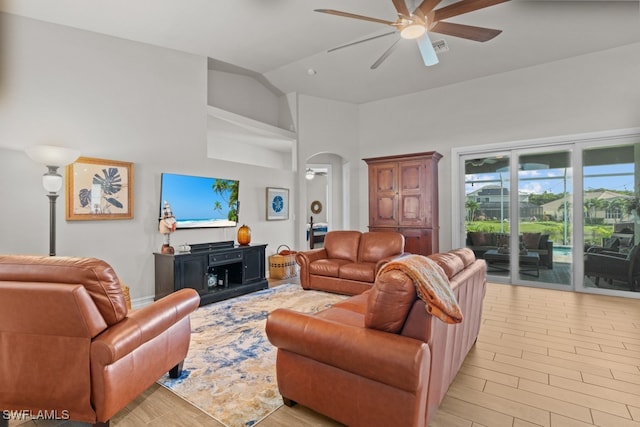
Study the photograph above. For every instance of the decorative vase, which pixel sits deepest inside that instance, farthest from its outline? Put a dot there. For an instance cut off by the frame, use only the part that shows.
(244, 235)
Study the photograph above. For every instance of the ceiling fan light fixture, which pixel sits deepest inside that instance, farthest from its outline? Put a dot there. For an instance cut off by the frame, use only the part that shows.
(309, 174)
(413, 31)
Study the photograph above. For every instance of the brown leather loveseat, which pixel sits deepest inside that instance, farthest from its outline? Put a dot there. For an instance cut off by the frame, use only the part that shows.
(379, 358)
(69, 347)
(349, 261)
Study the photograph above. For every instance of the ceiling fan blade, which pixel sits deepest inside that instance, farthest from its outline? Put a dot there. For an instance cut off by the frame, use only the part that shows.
(463, 6)
(427, 6)
(401, 7)
(469, 32)
(385, 55)
(354, 16)
(362, 41)
(427, 51)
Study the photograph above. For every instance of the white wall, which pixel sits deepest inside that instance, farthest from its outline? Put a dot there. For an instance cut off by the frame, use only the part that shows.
(333, 206)
(589, 93)
(242, 95)
(326, 126)
(317, 189)
(119, 100)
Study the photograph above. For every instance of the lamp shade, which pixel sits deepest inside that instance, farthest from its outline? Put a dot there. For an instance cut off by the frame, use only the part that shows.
(50, 155)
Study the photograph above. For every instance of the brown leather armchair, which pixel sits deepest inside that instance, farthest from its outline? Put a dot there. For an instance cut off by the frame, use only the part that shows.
(70, 347)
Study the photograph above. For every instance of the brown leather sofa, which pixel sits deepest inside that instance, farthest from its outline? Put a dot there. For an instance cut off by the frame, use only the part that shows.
(70, 347)
(349, 261)
(378, 358)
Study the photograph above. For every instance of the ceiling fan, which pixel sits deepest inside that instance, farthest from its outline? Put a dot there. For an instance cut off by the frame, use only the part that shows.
(311, 173)
(482, 162)
(424, 19)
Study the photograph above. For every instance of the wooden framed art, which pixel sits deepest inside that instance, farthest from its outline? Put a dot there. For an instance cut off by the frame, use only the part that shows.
(277, 203)
(99, 189)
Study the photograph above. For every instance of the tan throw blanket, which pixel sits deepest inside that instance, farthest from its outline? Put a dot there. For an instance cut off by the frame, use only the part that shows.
(432, 286)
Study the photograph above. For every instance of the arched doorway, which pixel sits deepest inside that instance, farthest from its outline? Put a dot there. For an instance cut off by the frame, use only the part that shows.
(324, 192)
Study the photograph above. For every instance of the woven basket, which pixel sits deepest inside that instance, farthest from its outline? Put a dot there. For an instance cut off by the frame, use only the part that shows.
(282, 265)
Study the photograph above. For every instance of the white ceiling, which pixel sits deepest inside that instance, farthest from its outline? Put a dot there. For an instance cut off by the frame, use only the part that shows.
(281, 39)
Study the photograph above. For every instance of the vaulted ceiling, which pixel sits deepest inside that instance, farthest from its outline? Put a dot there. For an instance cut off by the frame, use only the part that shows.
(280, 41)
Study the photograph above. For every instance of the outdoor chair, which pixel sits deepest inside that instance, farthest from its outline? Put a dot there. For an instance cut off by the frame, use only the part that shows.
(614, 266)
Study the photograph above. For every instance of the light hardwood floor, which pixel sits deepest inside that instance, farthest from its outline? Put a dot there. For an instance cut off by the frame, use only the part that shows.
(543, 358)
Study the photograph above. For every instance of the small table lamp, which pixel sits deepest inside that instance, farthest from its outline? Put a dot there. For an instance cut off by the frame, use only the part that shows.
(52, 157)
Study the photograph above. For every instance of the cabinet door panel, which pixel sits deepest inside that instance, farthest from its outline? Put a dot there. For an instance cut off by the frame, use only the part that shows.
(411, 176)
(383, 195)
(192, 273)
(386, 210)
(385, 177)
(411, 209)
(254, 265)
(413, 197)
(418, 241)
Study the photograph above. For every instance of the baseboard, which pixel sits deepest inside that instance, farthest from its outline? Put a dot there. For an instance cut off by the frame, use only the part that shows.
(141, 302)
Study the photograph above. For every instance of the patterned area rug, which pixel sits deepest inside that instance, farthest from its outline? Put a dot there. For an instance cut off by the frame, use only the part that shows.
(230, 369)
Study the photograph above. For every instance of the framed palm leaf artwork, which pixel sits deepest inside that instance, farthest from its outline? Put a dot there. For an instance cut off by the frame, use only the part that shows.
(99, 189)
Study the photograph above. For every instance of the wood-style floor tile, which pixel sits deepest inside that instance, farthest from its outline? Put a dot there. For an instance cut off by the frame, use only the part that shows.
(543, 358)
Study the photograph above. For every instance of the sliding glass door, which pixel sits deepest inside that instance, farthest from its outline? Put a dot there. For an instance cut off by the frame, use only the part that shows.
(558, 215)
(545, 198)
(517, 210)
(610, 213)
(487, 183)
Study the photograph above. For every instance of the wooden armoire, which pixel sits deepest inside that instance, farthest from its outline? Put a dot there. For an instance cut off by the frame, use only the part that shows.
(403, 197)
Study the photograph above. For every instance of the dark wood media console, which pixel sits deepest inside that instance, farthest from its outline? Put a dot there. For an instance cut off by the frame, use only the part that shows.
(218, 271)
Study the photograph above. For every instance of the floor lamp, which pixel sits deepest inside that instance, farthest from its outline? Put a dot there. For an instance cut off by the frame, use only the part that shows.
(53, 158)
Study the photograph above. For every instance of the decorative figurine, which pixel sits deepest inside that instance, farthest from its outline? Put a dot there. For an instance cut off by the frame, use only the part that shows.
(167, 226)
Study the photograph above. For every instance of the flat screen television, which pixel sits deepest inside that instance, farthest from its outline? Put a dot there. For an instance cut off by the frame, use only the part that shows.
(198, 201)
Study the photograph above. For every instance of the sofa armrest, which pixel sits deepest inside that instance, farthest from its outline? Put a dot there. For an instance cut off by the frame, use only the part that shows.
(307, 257)
(141, 326)
(391, 359)
(608, 260)
(304, 258)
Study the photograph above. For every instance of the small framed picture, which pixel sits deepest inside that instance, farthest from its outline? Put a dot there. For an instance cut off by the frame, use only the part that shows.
(99, 189)
(277, 203)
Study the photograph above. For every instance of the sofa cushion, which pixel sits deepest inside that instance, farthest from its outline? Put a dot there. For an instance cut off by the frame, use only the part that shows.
(531, 240)
(342, 244)
(376, 245)
(389, 301)
(478, 238)
(465, 254)
(449, 262)
(327, 267)
(361, 271)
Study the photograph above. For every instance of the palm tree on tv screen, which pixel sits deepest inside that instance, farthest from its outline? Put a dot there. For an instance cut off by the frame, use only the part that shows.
(228, 191)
